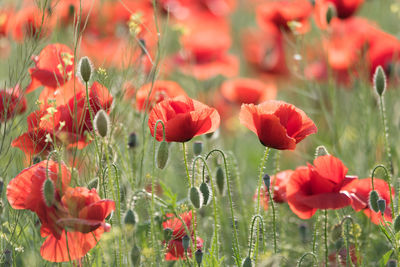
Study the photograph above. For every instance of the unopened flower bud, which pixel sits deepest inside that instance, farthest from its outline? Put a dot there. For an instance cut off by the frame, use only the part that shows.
(336, 233)
(220, 180)
(206, 192)
(131, 217)
(321, 151)
(197, 148)
(198, 256)
(247, 262)
(36, 160)
(85, 69)
(162, 155)
(8, 258)
(392, 263)
(48, 192)
(379, 81)
(1, 185)
(132, 140)
(267, 181)
(330, 13)
(135, 255)
(168, 234)
(185, 242)
(93, 183)
(373, 200)
(1, 206)
(396, 224)
(196, 198)
(381, 205)
(102, 123)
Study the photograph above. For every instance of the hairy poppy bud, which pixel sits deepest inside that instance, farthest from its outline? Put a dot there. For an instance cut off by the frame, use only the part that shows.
(162, 155)
(195, 197)
(1, 185)
(85, 69)
(330, 13)
(102, 123)
(93, 183)
(48, 192)
(267, 181)
(247, 262)
(379, 81)
(392, 263)
(206, 193)
(198, 256)
(220, 180)
(336, 233)
(167, 234)
(135, 255)
(381, 205)
(396, 224)
(130, 217)
(36, 160)
(185, 242)
(197, 148)
(373, 200)
(321, 151)
(132, 140)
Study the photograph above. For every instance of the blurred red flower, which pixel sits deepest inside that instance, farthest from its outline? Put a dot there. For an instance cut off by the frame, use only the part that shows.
(318, 187)
(277, 124)
(344, 9)
(77, 215)
(12, 102)
(184, 118)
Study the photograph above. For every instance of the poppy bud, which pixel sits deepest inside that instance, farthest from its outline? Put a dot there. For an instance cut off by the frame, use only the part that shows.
(167, 234)
(197, 148)
(392, 263)
(206, 193)
(381, 205)
(135, 255)
(102, 123)
(220, 180)
(142, 44)
(132, 140)
(162, 155)
(93, 183)
(1, 207)
(8, 259)
(267, 181)
(195, 197)
(247, 262)
(131, 217)
(330, 13)
(36, 160)
(303, 232)
(373, 200)
(185, 242)
(1, 185)
(321, 151)
(48, 192)
(336, 233)
(396, 224)
(198, 256)
(379, 80)
(85, 69)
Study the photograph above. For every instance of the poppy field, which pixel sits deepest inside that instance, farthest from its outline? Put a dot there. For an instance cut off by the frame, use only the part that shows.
(199, 133)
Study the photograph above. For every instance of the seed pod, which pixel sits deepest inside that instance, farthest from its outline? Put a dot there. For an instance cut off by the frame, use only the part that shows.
(336, 233)
(247, 262)
(198, 256)
(206, 193)
(373, 200)
(220, 180)
(131, 218)
(195, 197)
(85, 69)
(132, 140)
(48, 192)
(379, 81)
(396, 224)
(381, 205)
(267, 181)
(135, 255)
(93, 183)
(162, 155)
(102, 123)
(197, 148)
(168, 234)
(185, 242)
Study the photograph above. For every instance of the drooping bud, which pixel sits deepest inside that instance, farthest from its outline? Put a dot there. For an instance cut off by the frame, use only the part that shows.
(93, 183)
(330, 13)
(132, 140)
(396, 224)
(162, 155)
(48, 192)
(195, 197)
(220, 180)
(102, 123)
(197, 148)
(131, 218)
(185, 242)
(247, 262)
(381, 205)
(373, 200)
(135, 255)
(379, 81)
(168, 234)
(206, 193)
(85, 69)
(198, 256)
(336, 233)
(267, 181)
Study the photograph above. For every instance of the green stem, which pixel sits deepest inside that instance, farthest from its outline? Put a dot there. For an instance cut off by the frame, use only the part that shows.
(326, 235)
(305, 255)
(259, 217)
(263, 160)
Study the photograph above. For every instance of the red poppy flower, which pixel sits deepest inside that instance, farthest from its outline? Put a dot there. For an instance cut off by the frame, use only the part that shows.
(318, 187)
(160, 90)
(359, 191)
(5, 17)
(12, 102)
(182, 9)
(246, 91)
(277, 124)
(53, 67)
(77, 212)
(184, 118)
(278, 183)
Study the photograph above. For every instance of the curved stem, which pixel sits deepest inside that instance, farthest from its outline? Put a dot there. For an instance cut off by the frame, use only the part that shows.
(305, 255)
(387, 174)
(259, 217)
